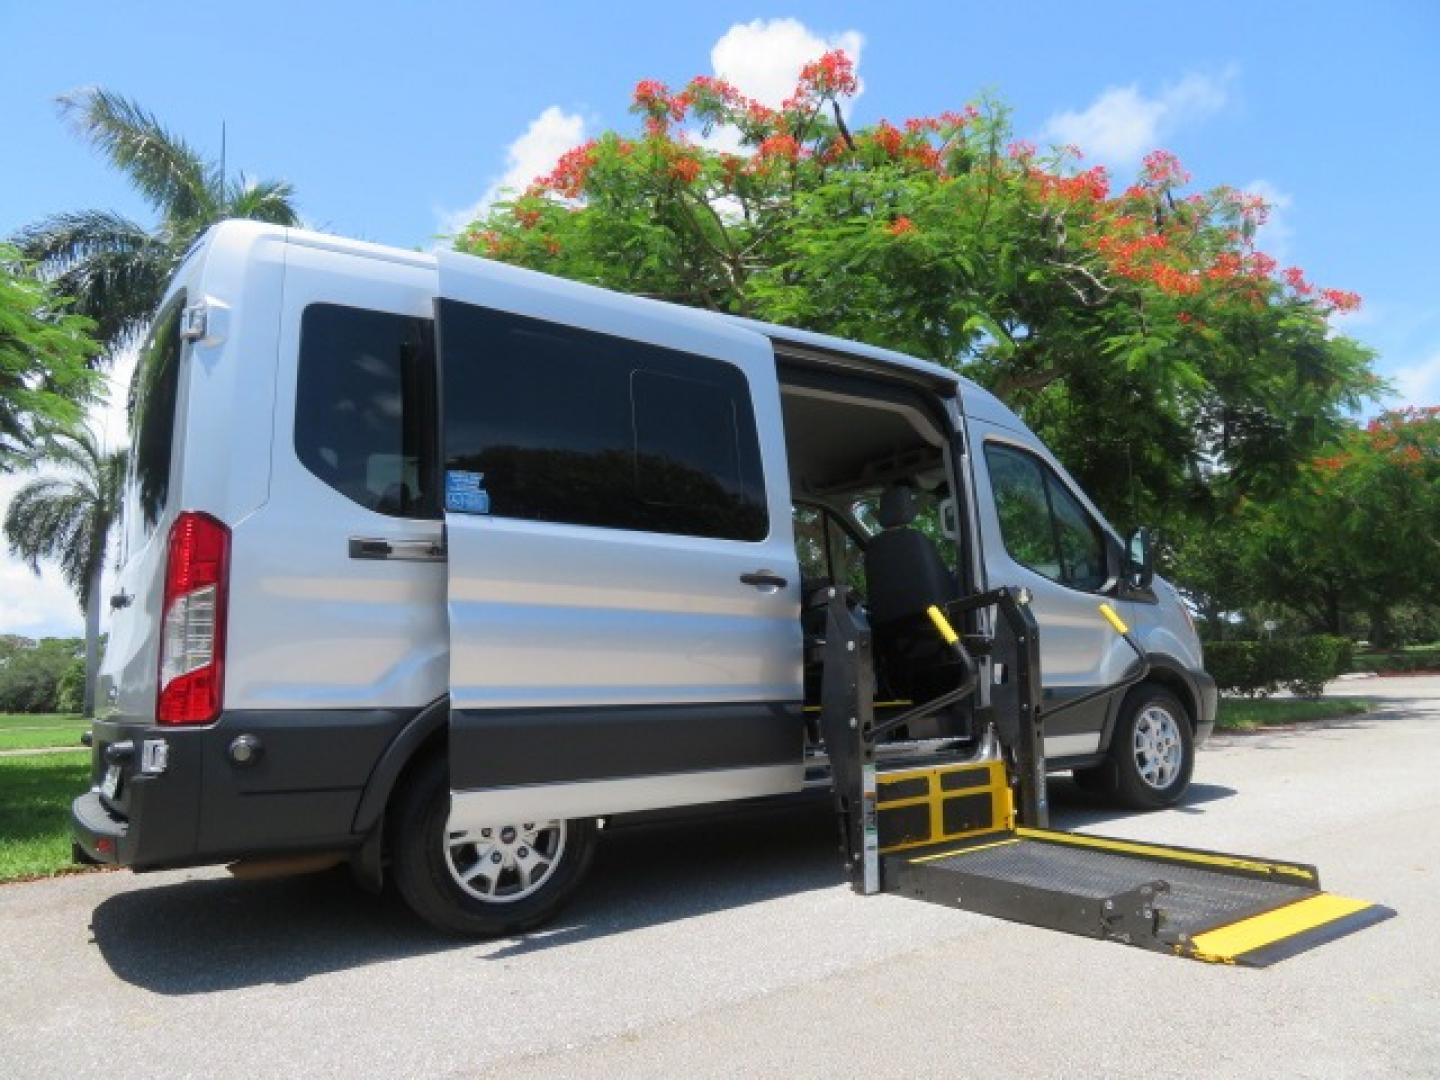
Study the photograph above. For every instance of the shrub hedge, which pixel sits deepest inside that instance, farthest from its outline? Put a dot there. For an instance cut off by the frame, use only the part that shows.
(1409, 660)
(1301, 665)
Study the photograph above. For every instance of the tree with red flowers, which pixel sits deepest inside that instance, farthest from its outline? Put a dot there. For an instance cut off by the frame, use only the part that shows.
(1172, 364)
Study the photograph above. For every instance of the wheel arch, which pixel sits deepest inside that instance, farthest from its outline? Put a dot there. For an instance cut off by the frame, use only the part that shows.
(424, 733)
(1166, 673)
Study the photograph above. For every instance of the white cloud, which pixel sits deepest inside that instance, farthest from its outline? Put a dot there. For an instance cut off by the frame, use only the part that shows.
(1121, 125)
(1274, 236)
(762, 59)
(1419, 384)
(531, 155)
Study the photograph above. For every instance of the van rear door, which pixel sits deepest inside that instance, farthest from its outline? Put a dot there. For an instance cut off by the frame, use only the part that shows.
(623, 589)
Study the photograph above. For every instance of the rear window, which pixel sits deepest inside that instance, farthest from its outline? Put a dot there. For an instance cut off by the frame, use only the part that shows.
(364, 407)
(558, 424)
(152, 416)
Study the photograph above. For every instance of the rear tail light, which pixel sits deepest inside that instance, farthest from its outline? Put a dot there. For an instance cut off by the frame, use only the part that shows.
(192, 634)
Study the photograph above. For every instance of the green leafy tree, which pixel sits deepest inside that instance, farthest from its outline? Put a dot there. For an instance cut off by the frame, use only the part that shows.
(1352, 541)
(1141, 332)
(31, 673)
(116, 269)
(45, 378)
(67, 517)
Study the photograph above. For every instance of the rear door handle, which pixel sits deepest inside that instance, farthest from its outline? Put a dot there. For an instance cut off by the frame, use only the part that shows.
(763, 579)
(367, 547)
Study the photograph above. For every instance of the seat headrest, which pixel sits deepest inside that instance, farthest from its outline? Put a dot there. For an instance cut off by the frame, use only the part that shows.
(897, 507)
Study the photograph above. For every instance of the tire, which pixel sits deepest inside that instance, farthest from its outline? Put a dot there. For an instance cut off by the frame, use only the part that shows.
(429, 864)
(1152, 753)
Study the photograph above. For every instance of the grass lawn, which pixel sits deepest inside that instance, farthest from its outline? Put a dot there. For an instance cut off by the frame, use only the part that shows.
(1247, 714)
(35, 795)
(35, 731)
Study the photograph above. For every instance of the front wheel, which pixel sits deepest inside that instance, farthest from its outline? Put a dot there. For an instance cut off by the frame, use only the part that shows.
(488, 881)
(1153, 750)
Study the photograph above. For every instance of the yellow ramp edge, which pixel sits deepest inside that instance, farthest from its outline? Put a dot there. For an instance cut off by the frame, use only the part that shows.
(1262, 939)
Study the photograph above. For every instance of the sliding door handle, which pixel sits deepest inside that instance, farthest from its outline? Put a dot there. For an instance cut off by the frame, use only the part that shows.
(763, 579)
(366, 547)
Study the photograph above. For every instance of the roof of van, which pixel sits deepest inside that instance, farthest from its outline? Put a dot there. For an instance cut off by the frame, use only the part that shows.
(978, 402)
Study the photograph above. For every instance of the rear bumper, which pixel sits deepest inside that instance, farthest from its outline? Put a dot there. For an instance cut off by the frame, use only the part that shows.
(300, 792)
(98, 832)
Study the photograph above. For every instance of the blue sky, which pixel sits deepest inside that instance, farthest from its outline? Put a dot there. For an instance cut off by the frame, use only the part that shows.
(392, 120)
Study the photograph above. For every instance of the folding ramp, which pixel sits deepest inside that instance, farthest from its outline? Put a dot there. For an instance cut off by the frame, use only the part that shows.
(970, 834)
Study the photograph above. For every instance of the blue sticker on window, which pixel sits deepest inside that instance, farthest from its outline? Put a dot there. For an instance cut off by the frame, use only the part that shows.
(465, 493)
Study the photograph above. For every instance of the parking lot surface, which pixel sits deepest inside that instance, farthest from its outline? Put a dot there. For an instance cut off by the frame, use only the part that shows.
(730, 947)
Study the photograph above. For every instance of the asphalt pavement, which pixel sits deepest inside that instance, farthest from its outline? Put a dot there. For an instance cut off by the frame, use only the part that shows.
(731, 948)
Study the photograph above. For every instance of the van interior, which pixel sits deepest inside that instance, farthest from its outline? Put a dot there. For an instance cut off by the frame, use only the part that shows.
(873, 510)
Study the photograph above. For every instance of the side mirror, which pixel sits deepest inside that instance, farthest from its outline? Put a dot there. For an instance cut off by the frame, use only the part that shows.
(1139, 559)
(949, 521)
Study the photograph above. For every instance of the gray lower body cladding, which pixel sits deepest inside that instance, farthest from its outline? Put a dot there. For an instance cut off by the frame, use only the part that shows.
(299, 792)
(496, 748)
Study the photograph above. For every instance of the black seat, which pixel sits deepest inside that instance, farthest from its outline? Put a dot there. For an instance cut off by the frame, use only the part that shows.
(904, 575)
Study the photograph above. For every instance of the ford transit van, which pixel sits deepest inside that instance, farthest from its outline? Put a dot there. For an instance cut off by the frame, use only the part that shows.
(434, 564)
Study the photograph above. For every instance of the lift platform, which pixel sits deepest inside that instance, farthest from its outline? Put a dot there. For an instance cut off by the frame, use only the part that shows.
(973, 834)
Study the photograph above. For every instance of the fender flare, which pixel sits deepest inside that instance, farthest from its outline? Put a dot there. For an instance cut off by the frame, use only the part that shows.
(1165, 672)
(430, 720)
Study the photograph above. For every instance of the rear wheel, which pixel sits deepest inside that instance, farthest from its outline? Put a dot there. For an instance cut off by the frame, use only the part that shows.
(1152, 753)
(488, 881)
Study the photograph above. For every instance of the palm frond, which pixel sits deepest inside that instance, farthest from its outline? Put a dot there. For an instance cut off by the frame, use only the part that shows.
(165, 169)
(68, 517)
(57, 243)
(112, 269)
(262, 200)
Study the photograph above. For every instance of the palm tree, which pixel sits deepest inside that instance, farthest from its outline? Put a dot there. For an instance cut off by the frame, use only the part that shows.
(68, 517)
(116, 269)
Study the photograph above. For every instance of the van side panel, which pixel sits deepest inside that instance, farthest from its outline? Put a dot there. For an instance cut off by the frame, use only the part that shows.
(312, 627)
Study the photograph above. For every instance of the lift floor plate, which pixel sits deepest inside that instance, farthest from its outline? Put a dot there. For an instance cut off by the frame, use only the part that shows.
(1205, 905)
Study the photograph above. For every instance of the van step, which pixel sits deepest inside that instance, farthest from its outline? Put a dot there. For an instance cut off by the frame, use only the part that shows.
(1205, 905)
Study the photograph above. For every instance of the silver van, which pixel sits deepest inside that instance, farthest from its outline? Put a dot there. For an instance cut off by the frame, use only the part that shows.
(434, 564)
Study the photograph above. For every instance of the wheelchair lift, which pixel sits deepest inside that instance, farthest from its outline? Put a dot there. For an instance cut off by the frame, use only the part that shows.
(974, 834)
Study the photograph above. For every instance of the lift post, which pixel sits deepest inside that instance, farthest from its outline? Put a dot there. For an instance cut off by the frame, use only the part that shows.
(973, 834)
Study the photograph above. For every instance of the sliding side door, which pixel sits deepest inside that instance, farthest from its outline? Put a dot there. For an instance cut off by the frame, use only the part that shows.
(623, 589)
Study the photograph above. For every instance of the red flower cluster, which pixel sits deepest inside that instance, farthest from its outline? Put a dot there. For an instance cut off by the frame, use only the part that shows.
(568, 177)
(1092, 184)
(685, 169)
(1341, 300)
(1295, 278)
(900, 226)
(1163, 169)
(888, 138)
(833, 75)
(779, 147)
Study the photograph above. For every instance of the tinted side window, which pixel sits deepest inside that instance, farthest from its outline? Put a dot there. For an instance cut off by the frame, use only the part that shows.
(1082, 552)
(566, 425)
(1042, 524)
(364, 407)
(152, 416)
